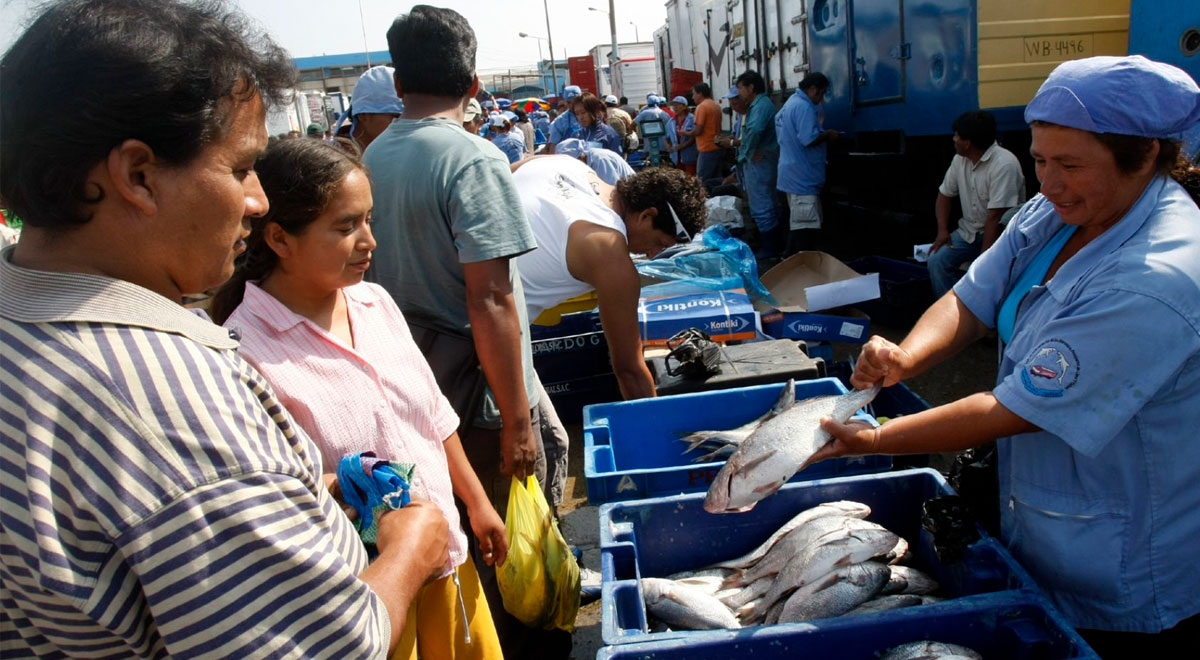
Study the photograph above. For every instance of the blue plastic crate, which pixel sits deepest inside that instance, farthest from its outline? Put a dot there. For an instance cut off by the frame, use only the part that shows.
(632, 450)
(566, 358)
(662, 536)
(1003, 626)
(571, 397)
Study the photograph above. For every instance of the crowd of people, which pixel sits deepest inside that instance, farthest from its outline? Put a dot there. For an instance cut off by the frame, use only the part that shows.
(169, 482)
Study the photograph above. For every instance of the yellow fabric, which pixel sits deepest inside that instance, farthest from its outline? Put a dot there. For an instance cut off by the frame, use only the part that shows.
(434, 626)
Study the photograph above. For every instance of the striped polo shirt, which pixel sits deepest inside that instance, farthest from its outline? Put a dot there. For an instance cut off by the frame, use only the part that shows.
(155, 498)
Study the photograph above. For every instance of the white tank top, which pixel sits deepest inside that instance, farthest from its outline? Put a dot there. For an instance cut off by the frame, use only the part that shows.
(556, 193)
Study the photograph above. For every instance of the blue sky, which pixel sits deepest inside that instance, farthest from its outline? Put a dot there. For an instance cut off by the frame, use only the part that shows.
(309, 27)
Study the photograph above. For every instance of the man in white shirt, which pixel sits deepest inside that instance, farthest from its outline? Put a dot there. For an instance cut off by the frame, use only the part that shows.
(586, 229)
(988, 181)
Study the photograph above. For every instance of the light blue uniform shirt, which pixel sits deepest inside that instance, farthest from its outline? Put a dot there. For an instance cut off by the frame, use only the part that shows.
(511, 143)
(1103, 506)
(564, 126)
(608, 165)
(801, 166)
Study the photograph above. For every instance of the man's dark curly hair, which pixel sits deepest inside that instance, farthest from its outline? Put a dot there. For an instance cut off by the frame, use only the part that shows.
(658, 186)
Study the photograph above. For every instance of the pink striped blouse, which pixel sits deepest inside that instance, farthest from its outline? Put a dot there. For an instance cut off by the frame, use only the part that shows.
(378, 396)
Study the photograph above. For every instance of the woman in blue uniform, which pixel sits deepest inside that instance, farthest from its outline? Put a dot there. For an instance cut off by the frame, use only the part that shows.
(1094, 291)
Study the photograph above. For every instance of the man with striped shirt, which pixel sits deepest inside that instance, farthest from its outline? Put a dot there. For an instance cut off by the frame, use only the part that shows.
(156, 499)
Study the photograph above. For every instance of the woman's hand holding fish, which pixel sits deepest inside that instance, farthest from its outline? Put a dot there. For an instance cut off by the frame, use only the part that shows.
(880, 360)
(853, 438)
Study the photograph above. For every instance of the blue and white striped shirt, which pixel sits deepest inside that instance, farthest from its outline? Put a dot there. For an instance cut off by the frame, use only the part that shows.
(156, 499)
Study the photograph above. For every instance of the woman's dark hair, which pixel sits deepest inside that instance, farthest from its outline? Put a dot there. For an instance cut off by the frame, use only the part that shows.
(753, 80)
(1131, 153)
(299, 177)
(658, 186)
(90, 74)
(978, 127)
(591, 104)
(433, 50)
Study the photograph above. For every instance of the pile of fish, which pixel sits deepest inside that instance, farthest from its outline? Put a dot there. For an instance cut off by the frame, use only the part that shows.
(930, 650)
(826, 561)
(768, 451)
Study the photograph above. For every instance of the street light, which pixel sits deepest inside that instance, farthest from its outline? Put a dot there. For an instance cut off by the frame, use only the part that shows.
(553, 72)
(635, 32)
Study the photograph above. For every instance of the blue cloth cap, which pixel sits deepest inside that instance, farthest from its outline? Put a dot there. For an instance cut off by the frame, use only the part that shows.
(573, 147)
(1124, 95)
(733, 91)
(511, 116)
(679, 99)
(375, 92)
(571, 91)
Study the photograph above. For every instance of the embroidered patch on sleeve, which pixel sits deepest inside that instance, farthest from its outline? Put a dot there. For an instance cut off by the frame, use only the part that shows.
(1050, 369)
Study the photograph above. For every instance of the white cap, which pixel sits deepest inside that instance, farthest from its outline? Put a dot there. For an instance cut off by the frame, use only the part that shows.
(610, 100)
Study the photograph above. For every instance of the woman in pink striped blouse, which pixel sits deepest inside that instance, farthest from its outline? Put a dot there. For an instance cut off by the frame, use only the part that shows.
(339, 354)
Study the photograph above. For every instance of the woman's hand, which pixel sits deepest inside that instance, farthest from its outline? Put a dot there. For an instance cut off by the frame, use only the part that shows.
(880, 360)
(850, 439)
(489, 531)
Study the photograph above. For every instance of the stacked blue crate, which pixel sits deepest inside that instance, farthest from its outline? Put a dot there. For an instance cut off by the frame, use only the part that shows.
(632, 449)
(662, 536)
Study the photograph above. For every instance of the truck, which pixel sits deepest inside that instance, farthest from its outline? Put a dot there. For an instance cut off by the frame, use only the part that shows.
(901, 71)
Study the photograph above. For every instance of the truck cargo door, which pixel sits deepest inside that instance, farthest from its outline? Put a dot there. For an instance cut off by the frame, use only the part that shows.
(878, 51)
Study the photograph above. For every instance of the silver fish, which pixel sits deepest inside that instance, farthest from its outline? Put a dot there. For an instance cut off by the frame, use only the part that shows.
(828, 554)
(727, 441)
(681, 606)
(777, 449)
(707, 571)
(930, 650)
(796, 542)
(906, 580)
(839, 592)
(839, 508)
(742, 595)
(886, 603)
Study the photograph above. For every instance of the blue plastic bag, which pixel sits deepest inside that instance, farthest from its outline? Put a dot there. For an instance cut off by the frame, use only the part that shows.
(722, 263)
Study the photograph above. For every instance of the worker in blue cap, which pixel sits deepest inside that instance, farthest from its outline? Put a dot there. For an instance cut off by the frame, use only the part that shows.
(1094, 291)
(373, 105)
(565, 125)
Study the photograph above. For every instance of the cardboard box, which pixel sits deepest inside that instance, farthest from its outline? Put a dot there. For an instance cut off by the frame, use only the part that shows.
(810, 282)
(724, 315)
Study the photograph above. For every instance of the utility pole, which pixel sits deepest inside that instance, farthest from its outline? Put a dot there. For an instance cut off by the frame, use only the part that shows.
(612, 26)
(550, 42)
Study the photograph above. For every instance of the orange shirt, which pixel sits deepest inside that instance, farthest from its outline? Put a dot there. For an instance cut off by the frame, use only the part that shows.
(708, 117)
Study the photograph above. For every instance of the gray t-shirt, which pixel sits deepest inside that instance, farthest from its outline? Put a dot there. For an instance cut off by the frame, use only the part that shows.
(444, 198)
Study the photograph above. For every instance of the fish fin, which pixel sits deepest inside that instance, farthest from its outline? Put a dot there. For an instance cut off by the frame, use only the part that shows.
(750, 464)
(786, 398)
(769, 488)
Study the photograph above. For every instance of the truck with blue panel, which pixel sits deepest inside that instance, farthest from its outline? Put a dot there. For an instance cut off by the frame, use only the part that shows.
(901, 71)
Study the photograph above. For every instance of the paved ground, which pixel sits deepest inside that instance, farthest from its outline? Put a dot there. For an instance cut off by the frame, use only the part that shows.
(971, 371)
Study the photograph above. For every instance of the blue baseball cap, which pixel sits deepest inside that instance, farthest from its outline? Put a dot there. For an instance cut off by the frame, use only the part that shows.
(511, 116)
(571, 91)
(573, 147)
(1124, 95)
(733, 91)
(375, 92)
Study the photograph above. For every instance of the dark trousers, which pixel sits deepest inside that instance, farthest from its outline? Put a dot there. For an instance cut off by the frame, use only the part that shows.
(708, 164)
